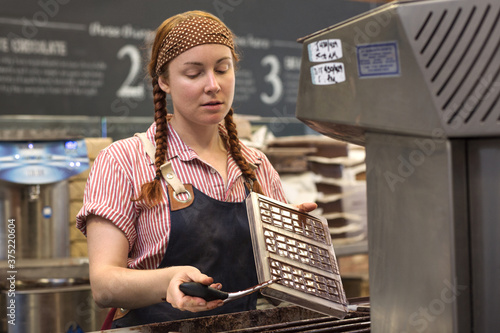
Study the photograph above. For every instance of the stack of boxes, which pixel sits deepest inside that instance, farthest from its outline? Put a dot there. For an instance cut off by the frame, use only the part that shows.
(337, 171)
(332, 174)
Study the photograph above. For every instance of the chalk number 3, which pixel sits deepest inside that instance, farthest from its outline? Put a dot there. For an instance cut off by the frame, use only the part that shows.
(273, 79)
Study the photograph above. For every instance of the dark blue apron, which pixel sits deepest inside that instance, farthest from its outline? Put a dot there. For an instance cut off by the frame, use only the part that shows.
(213, 236)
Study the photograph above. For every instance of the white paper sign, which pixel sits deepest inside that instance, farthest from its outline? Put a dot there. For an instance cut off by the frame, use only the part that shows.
(328, 73)
(325, 50)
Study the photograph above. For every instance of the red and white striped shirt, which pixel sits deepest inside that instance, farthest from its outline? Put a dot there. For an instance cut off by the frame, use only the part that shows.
(120, 170)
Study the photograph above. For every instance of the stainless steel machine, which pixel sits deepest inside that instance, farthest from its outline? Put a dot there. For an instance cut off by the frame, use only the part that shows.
(416, 83)
(42, 289)
(34, 196)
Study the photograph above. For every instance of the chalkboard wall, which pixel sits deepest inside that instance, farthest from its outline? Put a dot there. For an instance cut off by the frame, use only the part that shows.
(88, 57)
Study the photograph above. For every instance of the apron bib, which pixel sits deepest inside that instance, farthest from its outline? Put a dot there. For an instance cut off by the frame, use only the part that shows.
(213, 236)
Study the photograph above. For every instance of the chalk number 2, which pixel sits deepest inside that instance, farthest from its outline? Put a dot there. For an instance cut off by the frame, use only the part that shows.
(127, 89)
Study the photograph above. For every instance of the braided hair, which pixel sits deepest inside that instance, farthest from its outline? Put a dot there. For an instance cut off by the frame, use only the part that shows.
(151, 192)
(235, 150)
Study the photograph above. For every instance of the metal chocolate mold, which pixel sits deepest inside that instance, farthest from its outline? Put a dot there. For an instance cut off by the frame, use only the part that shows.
(295, 247)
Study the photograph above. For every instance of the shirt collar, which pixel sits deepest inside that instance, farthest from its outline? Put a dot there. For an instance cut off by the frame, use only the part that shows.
(177, 148)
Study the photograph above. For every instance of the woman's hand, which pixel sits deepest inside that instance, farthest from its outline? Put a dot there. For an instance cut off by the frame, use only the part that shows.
(307, 207)
(188, 303)
(115, 285)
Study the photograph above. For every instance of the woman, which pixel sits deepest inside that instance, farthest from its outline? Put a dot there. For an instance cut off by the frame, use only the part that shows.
(167, 206)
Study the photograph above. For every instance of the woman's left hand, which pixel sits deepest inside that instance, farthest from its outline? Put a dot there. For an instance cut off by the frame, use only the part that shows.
(307, 207)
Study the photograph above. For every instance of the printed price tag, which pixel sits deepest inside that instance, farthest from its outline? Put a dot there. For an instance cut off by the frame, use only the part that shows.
(328, 73)
(325, 50)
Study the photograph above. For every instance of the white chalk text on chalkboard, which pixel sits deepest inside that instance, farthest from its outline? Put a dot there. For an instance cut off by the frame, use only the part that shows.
(127, 90)
(273, 79)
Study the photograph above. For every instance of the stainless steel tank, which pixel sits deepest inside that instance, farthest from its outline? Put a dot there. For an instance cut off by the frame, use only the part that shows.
(42, 289)
(48, 295)
(40, 214)
(34, 196)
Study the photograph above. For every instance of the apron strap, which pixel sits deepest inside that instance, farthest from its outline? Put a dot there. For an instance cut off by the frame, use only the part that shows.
(168, 174)
(148, 146)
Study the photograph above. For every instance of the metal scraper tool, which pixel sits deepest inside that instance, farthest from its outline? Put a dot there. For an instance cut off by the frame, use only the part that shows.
(197, 289)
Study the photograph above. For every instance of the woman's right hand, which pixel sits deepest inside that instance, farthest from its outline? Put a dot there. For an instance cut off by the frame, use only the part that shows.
(188, 303)
(115, 285)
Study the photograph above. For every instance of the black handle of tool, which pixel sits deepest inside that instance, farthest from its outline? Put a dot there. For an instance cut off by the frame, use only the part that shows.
(197, 289)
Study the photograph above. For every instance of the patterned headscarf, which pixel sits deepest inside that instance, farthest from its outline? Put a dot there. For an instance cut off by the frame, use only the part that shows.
(190, 33)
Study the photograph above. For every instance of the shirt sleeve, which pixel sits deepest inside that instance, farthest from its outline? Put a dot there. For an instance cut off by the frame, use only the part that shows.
(270, 180)
(108, 194)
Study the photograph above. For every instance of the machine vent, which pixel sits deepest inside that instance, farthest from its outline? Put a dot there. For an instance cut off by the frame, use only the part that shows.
(459, 50)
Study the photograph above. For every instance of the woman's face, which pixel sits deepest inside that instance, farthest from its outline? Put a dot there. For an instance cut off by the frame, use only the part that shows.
(201, 83)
